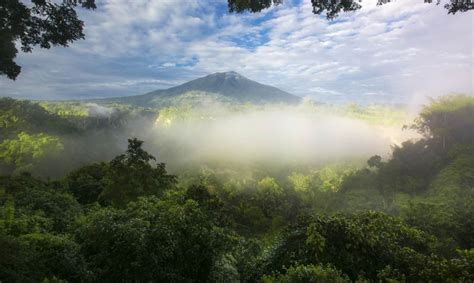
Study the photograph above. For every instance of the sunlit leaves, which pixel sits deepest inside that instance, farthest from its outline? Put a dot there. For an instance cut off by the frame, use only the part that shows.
(66, 109)
(309, 274)
(269, 196)
(26, 150)
(25, 116)
(300, 182)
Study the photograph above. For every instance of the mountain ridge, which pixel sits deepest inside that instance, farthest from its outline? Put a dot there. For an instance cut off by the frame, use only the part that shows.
(230, 86)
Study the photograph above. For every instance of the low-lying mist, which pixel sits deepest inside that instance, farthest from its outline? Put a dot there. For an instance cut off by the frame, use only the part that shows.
(221, 136)
(288, 135)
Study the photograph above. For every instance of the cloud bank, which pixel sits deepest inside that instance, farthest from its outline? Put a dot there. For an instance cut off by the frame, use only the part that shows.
(289, 136)
(400, 52)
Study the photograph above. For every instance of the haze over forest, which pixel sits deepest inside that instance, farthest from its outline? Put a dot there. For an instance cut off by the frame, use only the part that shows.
(270, 141)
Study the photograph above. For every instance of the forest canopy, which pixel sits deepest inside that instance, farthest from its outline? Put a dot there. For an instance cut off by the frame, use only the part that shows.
(129, 219)
(272, 141)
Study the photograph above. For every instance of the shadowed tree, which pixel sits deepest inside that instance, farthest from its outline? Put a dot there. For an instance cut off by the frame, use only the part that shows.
(369, 245)
(447, 121)
(43, 23)
(152, 240)
(132, 175)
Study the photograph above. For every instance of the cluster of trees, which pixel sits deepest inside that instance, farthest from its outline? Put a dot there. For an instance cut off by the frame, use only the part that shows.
(116, 221)
(37, 137)
(428, 182)
(29, 135)
(406, 219)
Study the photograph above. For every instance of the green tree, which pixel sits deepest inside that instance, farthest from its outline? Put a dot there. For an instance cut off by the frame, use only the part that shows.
(88, 182)
(152, 240)
(300, 182)
(27, 152)
(24, 116)
(36, 200)
(447, 121)
(47, 256)
(270, 197)
(375, 161)
(308, 274)
(448, 209)
(361, 246)
(209, 202)
(131, 175)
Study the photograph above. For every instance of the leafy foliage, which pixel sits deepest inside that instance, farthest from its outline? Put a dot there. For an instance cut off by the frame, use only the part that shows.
(151, 240)
(408, 218)
(24, 116)
(88, 182)
(46, 23)
(131, 175)
(331, 8)
(445, 121)
(367, 245)
(308, 273)
(27, 151)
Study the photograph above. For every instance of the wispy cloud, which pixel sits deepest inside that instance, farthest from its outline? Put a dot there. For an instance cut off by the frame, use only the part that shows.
(397, 52)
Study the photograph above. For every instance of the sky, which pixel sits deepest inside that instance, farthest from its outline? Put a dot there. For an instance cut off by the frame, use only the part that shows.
(402, 52)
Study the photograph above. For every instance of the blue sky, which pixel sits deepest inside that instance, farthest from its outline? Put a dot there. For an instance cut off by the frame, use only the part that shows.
(400, 52)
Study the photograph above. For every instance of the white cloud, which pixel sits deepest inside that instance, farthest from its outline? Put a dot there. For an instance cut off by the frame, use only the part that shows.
(399, 51)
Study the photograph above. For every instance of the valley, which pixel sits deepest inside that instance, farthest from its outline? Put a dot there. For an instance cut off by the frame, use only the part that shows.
(232, 178)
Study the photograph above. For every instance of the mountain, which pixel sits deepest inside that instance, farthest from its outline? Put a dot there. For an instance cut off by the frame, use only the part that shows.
(228, 87)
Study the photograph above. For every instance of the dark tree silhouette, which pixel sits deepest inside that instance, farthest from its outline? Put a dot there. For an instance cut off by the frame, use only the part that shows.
(132, 175)
(44, 23)
(332, 8)
(253, 6)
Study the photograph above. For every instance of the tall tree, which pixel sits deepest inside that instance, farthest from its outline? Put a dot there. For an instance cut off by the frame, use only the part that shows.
(132, 175)
(448, 121)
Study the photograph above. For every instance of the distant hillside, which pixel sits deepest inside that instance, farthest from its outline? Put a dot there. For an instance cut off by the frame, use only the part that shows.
(25, 116)
(229, 87)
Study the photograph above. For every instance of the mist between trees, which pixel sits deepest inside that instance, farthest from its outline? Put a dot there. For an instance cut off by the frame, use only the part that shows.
(224, 216)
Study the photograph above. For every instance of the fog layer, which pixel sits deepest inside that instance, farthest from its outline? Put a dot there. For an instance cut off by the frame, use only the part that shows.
(272, 136)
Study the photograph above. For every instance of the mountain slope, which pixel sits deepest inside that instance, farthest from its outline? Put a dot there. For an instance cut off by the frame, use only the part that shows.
(224, 87)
